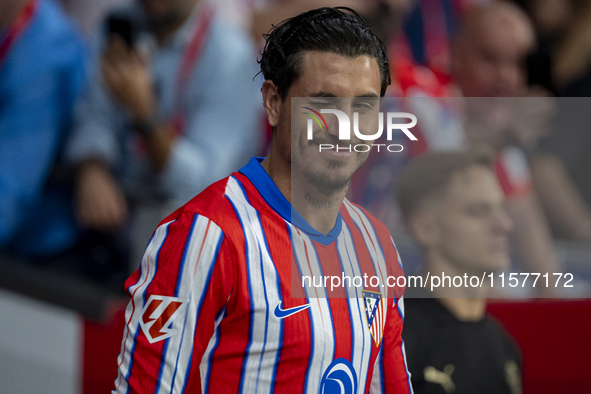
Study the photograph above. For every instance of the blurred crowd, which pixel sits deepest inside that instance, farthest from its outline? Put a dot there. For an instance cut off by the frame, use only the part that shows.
(114, 113)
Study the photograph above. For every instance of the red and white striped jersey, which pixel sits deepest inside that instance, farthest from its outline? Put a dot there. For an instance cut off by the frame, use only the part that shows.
(212, 308)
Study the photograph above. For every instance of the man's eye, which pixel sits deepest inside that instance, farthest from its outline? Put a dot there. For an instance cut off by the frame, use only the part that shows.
(365, 105)
(362, 106)
(477, 211)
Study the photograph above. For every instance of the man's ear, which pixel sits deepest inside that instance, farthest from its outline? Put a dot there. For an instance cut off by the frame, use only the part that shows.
(422, 226)
(272, 101)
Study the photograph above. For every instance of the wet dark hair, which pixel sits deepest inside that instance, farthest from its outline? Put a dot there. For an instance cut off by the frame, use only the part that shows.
(324, 30)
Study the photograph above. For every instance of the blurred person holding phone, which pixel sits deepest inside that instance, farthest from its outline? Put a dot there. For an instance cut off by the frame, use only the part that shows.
(172, 107)
(42, 69)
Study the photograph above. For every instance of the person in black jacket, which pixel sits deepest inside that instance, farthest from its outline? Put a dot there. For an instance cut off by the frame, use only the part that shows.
(453, 206)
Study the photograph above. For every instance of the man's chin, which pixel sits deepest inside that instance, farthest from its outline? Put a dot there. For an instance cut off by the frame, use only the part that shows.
(328, 171)
(329, 182)
(497, 266)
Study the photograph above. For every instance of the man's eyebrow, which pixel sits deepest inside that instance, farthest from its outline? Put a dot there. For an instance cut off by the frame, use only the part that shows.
(322, 94)
(327, 94)
(478, 204)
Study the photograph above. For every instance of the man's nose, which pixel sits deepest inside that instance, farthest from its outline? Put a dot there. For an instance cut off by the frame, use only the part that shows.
(339, 120)
(502, 221)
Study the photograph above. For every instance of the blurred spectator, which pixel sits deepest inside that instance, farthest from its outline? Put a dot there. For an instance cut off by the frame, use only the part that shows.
(90, 13)
(561, 165)
(488, 61)
(42, 62)
(427, 32)
(549, 18)
(571, 55)
(265, 13)
(561, 62)
(488, 58)
(490, 49)
(168, 111)
(453, 206)
(565, 57)
(429, 29)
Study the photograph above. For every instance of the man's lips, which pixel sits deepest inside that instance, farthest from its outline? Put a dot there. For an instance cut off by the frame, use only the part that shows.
(331, 147)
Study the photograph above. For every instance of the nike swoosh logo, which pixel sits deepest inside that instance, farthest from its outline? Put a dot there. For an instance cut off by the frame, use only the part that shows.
(283, 313)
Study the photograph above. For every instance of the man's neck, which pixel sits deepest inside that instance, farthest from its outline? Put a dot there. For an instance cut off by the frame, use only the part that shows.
(465, 309)
(318, 209)
(465, 302)
(165, 31)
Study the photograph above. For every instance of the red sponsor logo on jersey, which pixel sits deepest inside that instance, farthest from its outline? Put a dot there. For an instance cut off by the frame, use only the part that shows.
(158, 317)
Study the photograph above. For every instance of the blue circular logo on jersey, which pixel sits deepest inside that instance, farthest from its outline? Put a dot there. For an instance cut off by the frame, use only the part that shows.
(339, 378)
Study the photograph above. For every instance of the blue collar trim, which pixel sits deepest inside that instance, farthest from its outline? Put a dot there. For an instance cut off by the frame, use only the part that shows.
(276, 200)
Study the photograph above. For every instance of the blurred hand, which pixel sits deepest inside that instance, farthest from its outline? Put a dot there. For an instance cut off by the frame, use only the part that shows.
(502, 121)
(531, 116)
(100, 203)
(128, 78)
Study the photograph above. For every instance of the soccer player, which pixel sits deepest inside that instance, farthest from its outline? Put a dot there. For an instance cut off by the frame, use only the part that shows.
(453, 205)
(212, 308)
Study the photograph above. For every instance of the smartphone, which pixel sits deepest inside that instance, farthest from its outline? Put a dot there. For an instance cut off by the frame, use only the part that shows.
(122, 26)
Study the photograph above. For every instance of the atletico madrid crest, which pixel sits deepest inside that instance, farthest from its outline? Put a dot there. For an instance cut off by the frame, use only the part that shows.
(375, 313)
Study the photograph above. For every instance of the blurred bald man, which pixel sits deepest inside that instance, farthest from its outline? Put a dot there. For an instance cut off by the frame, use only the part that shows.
(488, 60)
(489, 54)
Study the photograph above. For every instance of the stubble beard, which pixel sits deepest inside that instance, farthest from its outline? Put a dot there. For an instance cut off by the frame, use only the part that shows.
(327, 183)
(329, 180)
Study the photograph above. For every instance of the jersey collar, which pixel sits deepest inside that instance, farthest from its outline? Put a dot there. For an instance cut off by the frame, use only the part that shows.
(276, 200)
